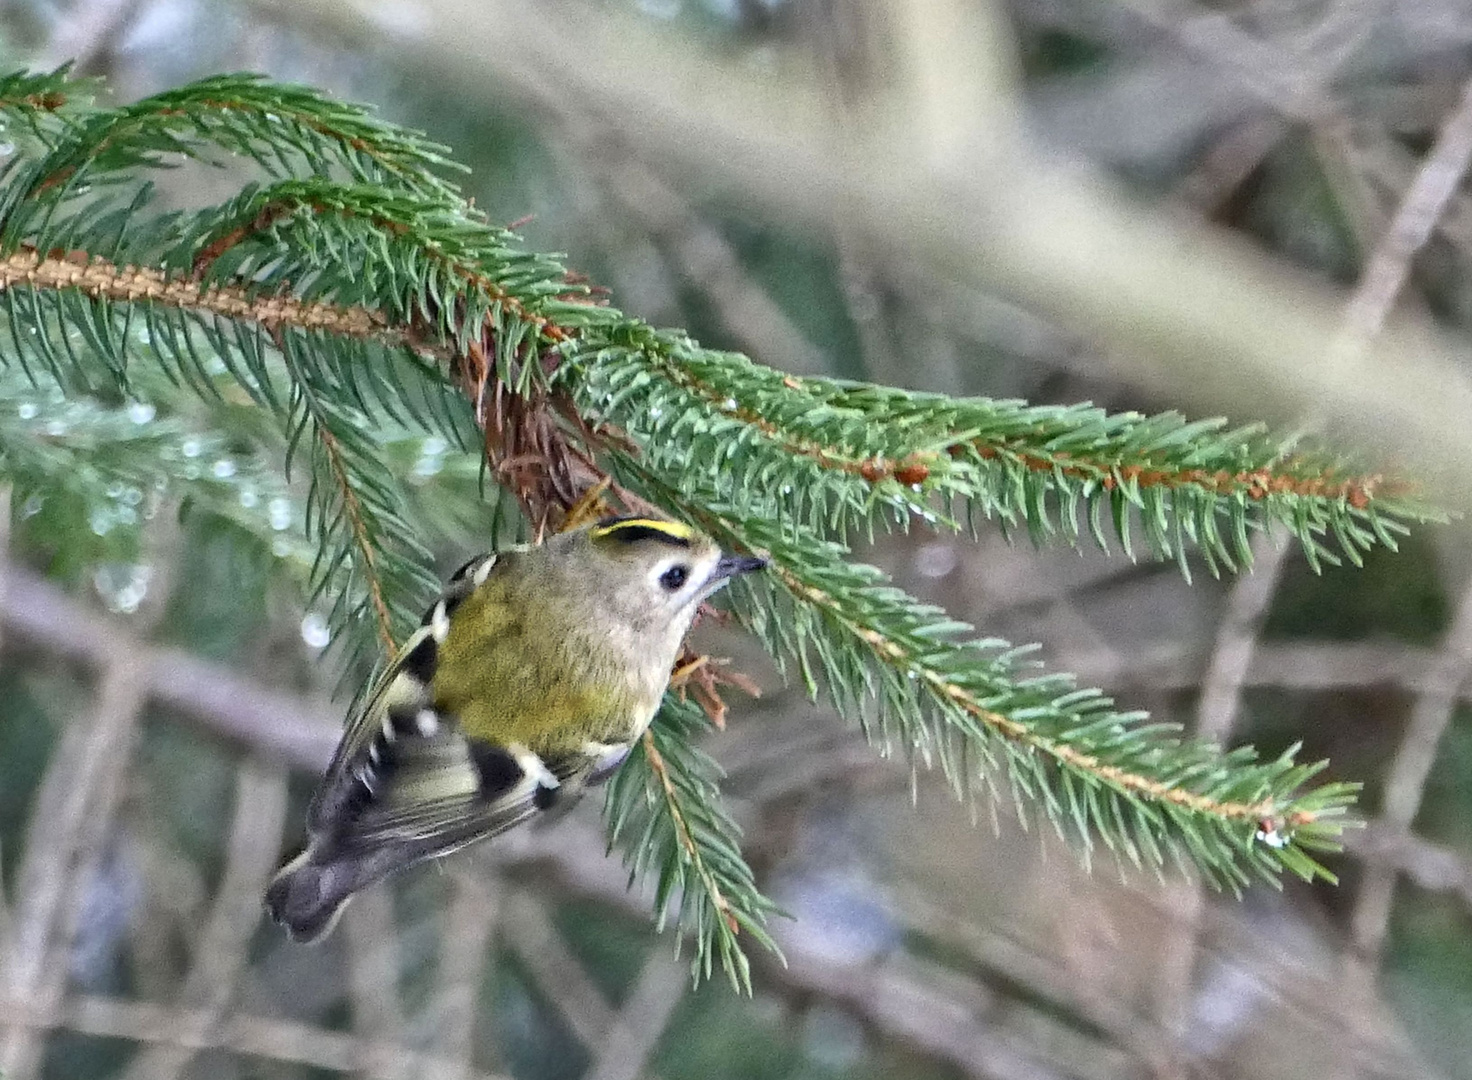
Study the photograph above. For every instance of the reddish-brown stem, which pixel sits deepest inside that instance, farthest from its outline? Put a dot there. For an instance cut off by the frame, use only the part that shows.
(682, 832)
(353, 512)
(915, 468)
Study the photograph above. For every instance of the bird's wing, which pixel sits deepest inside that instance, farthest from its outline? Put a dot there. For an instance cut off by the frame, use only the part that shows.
(394, 708)
(446, 791)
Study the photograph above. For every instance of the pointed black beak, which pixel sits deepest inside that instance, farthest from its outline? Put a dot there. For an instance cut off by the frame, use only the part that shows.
(731, 565)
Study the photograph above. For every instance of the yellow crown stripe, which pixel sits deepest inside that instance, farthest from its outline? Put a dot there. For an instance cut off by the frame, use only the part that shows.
(673, 529)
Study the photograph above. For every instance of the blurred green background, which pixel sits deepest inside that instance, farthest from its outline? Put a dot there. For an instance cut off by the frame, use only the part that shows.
(921, 944)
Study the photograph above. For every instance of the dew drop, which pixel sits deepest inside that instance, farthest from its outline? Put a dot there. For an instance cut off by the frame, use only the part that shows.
(223, 469)
(935, 559)
(122, 587)
(434, 446)
(314, 631)
(27, 410)
(191, 447)
(279, 511)
(248, 498)
(55, 428)
(141, 412)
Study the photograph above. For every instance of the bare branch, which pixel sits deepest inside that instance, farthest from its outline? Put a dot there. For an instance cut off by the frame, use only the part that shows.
(373, 971)
(1420, 209)
(624, 1053)
(69, 823)
(537, 944)
(1221, 692)
(251, 856)
(1408, 774)
(283, 727)
(253, 1036)
(464, 958)
(1425, 864)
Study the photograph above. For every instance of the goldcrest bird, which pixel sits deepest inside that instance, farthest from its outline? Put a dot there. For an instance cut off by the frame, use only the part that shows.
(530, 679)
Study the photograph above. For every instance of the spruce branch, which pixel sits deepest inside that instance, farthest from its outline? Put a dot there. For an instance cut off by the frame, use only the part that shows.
(347, 289)
(283, 129)
(915, 681)
(664, 810)
(838, 455)
(44, 103)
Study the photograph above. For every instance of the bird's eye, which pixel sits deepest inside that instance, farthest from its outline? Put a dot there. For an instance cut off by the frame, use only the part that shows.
(674, 577)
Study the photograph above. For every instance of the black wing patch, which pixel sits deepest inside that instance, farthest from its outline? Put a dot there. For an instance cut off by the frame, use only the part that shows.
(420, 661)
(499, 772)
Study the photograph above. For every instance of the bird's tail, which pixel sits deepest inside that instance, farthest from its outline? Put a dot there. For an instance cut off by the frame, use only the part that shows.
(307, 895)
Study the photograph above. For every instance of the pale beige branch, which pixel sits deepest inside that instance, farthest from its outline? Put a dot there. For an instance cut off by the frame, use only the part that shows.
(251, 1036)
(252, 851)
(69, 823)
(1425, 864)
(1420, 209)
(373, 958)
(1408, 773)
(625, 1052)
(532, 937)
(1236, 640)
(1221, 693)
(465, 959)
(284, 727)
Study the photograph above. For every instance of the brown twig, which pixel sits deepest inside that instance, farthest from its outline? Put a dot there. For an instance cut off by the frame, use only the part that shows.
(100, 279)
(352, 512)
(1290, 477)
